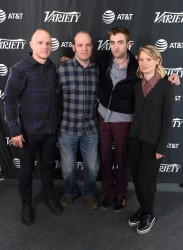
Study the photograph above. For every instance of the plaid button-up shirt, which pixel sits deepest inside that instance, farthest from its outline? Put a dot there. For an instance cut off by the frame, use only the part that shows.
(79, 98)
(30, 97)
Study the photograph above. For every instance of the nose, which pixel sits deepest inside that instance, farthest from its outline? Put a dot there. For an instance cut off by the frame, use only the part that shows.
(116, 45)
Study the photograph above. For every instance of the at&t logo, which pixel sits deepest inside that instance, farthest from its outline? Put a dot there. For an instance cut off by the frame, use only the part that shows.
(1, 94)
(3, 16)
(3, 70)
(173, 145)
(16, 163)
(55, 44)
(109, 17)
(162, 45)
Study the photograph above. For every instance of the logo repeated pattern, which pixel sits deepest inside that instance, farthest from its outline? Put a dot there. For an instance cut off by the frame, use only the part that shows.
(162, 30)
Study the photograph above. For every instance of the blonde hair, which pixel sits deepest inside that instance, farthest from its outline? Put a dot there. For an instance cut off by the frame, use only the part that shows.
(154, 53)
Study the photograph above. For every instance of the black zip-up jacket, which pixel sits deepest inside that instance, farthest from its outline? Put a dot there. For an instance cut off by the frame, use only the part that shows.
(121, 97)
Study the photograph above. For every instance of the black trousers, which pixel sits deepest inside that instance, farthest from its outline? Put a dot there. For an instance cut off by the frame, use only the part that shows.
(46, 146)
(144, 172)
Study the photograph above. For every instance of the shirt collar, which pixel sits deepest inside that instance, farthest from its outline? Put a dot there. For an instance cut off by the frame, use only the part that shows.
(116, 66)
(34, 62)
(151, 81)
(76, 63)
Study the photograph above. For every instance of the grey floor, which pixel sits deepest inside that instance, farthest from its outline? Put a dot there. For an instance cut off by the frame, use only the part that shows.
(81, 229)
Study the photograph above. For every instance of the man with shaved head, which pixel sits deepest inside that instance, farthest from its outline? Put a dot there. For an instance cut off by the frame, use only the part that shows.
(31, 113)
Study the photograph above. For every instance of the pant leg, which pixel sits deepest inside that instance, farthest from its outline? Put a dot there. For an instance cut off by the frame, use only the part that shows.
(28, 156)
(68, 149)
(47, 157)
(120, 132)
(135, 152)
(147, 176)
(106, 157)
(90, 155)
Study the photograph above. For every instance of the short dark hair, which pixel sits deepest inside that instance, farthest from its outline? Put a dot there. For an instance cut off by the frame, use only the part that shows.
(120, 29)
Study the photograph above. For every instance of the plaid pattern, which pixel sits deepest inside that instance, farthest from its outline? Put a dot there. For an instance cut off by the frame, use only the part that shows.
(79, 98)
(30, 97)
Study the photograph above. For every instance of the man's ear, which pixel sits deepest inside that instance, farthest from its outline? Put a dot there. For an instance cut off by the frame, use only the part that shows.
(30, 43)
(73, 48)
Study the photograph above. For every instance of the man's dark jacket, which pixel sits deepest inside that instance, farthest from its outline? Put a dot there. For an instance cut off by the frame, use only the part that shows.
(121, 97)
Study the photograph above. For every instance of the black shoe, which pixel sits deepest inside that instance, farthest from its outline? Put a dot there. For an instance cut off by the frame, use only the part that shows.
(107, 201)
(54, 206)
(119, 203)
(27, 214)
(136, 218)
(146, 224)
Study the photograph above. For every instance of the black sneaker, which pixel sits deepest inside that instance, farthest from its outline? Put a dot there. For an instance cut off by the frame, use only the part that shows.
(146, 224)
(119, 203)
(107, 201)
(136, 218)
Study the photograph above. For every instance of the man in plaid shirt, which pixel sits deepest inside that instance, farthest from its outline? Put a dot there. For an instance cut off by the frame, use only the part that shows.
(78, 80)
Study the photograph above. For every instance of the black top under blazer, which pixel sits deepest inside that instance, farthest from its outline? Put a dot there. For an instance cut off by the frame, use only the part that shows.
(153, 114)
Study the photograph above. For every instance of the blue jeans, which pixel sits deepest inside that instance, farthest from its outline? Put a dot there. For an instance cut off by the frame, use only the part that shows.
(89, 151)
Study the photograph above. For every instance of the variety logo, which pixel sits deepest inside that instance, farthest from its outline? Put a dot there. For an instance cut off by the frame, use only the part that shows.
(10, 16)
(109, 17)
(173, 145)
(3, 70)
(9, 141)
(169, 17)
(105, 45)
(177, 98)
(12, 43)
(178, 71)
(177, 122)
(169, 168)
(55, 44)
(58, 164)
(161, 45)
(62, 17)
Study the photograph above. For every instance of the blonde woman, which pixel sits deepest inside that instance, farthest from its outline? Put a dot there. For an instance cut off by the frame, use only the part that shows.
(154, 101)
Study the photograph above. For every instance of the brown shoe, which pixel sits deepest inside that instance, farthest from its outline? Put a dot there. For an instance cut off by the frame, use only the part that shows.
(92, 202)
(66, 200)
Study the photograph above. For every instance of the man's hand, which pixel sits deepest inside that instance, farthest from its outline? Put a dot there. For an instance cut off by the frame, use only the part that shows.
(159, 156)
(64, 59)
(18, 141)
(174, 79)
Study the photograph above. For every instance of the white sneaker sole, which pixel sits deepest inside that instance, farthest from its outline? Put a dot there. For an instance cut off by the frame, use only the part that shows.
(133, 224)
(148, 229)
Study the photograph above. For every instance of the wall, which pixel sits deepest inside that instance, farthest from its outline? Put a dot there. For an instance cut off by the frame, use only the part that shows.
(158, 22)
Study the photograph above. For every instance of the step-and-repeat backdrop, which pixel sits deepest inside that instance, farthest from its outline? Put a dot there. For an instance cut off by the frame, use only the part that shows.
(158, 22)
